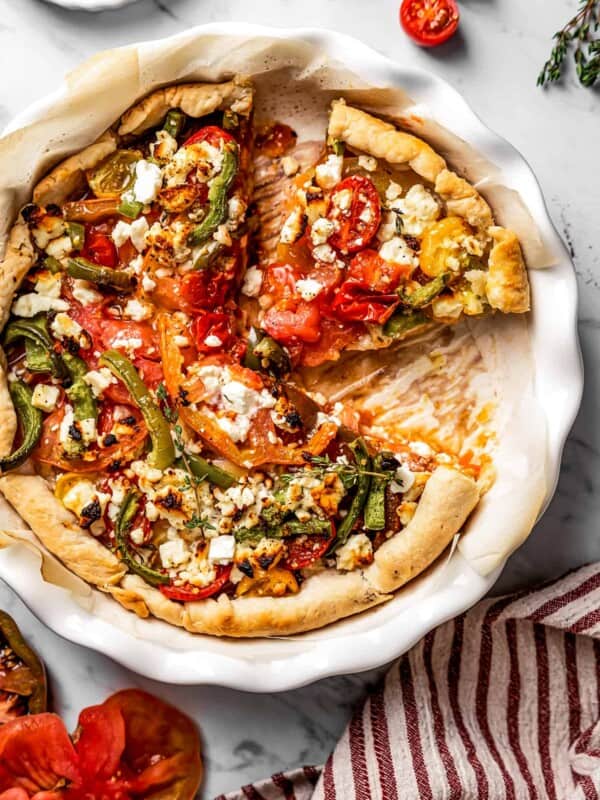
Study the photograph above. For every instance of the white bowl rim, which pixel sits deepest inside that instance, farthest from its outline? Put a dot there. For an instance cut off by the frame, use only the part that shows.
(329, 657)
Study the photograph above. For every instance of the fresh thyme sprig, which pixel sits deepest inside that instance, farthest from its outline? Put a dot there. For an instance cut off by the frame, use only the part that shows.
(579, 32)
(348, 473)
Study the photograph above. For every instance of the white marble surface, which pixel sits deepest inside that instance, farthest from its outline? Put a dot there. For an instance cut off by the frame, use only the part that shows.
(493, 62)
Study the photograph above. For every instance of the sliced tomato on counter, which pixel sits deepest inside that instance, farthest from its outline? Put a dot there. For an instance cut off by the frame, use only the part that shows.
(188, 593)
(429, 22)
(211, 134)
(99, 248)
(304, 550)
(356, 210)
(131, 746)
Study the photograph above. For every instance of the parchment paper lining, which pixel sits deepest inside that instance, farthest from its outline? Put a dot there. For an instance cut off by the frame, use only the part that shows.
(295, 83)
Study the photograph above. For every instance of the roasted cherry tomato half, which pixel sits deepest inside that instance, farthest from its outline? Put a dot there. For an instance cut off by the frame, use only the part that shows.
(429, 22)
(211, 134)
(188, 593)
(99, 248)
(302, 551)
(355, 208)
(213, 333)
(354, 302)
(205, 289)
(377, 274)
(293, 321)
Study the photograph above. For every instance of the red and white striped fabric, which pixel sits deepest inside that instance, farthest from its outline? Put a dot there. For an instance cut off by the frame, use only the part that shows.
(501, 702)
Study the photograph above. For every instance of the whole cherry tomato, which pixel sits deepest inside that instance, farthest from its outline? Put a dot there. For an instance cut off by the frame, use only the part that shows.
(429, 22)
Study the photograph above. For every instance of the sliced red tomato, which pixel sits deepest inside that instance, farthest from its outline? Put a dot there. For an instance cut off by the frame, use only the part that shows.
(429, 22)
(213, 332)
(355, 303)
(205, 289)
(376, 273)
(36, 753)
(357, 218)
(133, 745)
(302, 551)
(188, 593)
(293, 321)
(100, 248)
(211, 134)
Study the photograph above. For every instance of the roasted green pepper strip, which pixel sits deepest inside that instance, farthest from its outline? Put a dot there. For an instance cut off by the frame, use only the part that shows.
(312, 527)
(162, 454)
(37, 696)
(217, 197)
(77, 234)
(374, 513)
(363, 461)
(174, 122)
(426, 293)
(103, 276)
(207, 471)
(79, 393)
(264, 353)
(30, 423)
(129, 207)
(402, 323)
(53, 265)
(35, 332)
(127, 514)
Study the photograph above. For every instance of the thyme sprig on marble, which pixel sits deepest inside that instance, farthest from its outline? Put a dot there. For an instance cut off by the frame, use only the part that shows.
(580, 33)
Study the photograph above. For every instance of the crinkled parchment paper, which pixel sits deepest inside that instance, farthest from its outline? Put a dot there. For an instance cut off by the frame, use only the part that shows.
(483, 369)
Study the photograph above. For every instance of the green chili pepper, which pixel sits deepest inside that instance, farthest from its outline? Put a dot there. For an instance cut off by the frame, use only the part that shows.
(363, 461)
(79, 393)
(230, 120)
(425, 294)
(53, 265)
(31, 682)
(174, 122)
(263, 352)
(129, 207)
(103, 276)
(77, 234)
(217, 197)
(312, 527)
(374, 514)
(162, 454)
(38, 343)
(127, 514)
(204, 469)
(30, 423)
(402, 322)
(338, 147)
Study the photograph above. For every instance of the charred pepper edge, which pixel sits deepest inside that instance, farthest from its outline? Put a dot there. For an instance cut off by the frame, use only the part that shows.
(217, 197)
(37, 702)
(124, 521)
(102, 276)
(30, 423)
(162, 453)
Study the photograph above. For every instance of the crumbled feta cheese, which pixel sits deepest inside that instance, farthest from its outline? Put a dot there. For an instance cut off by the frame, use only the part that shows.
(120, 233)
(81, 494)
(165, 145)
(292, 227)
(289, 165)
(357, 552)
(137, 233)
(221, 235)
(49, 285)
(64, 327)
(84, 292)
(447, 307)
(60, 248)
(237, 429)
(181, 341)
(137, 536)
(212, 341)
(125, 342)
(418, 209)
(148, 285)
(367, 162)
(330, 172)
(252, 282)
(148, 181)
(99, 380)
(403, 480)
(236, 208)
(397, 251)
(308, 288)
(237, 397)
(393, 191)
(321, 230)
(88, 430)
(324, 252)
(477, 278)
(173, 553)
(343, 199)
(28, 305)
(137, 310)
(45, 397)
(221, 549)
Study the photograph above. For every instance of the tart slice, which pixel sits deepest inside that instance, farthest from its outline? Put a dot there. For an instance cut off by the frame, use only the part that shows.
(381, 240)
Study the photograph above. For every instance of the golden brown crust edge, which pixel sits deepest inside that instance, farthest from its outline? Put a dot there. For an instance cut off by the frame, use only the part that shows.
(507, 285)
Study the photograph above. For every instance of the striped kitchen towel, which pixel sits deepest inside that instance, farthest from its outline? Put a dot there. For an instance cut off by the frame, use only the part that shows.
(501, 702)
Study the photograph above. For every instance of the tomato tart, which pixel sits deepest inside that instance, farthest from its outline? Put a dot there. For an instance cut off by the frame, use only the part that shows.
(155, 432)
